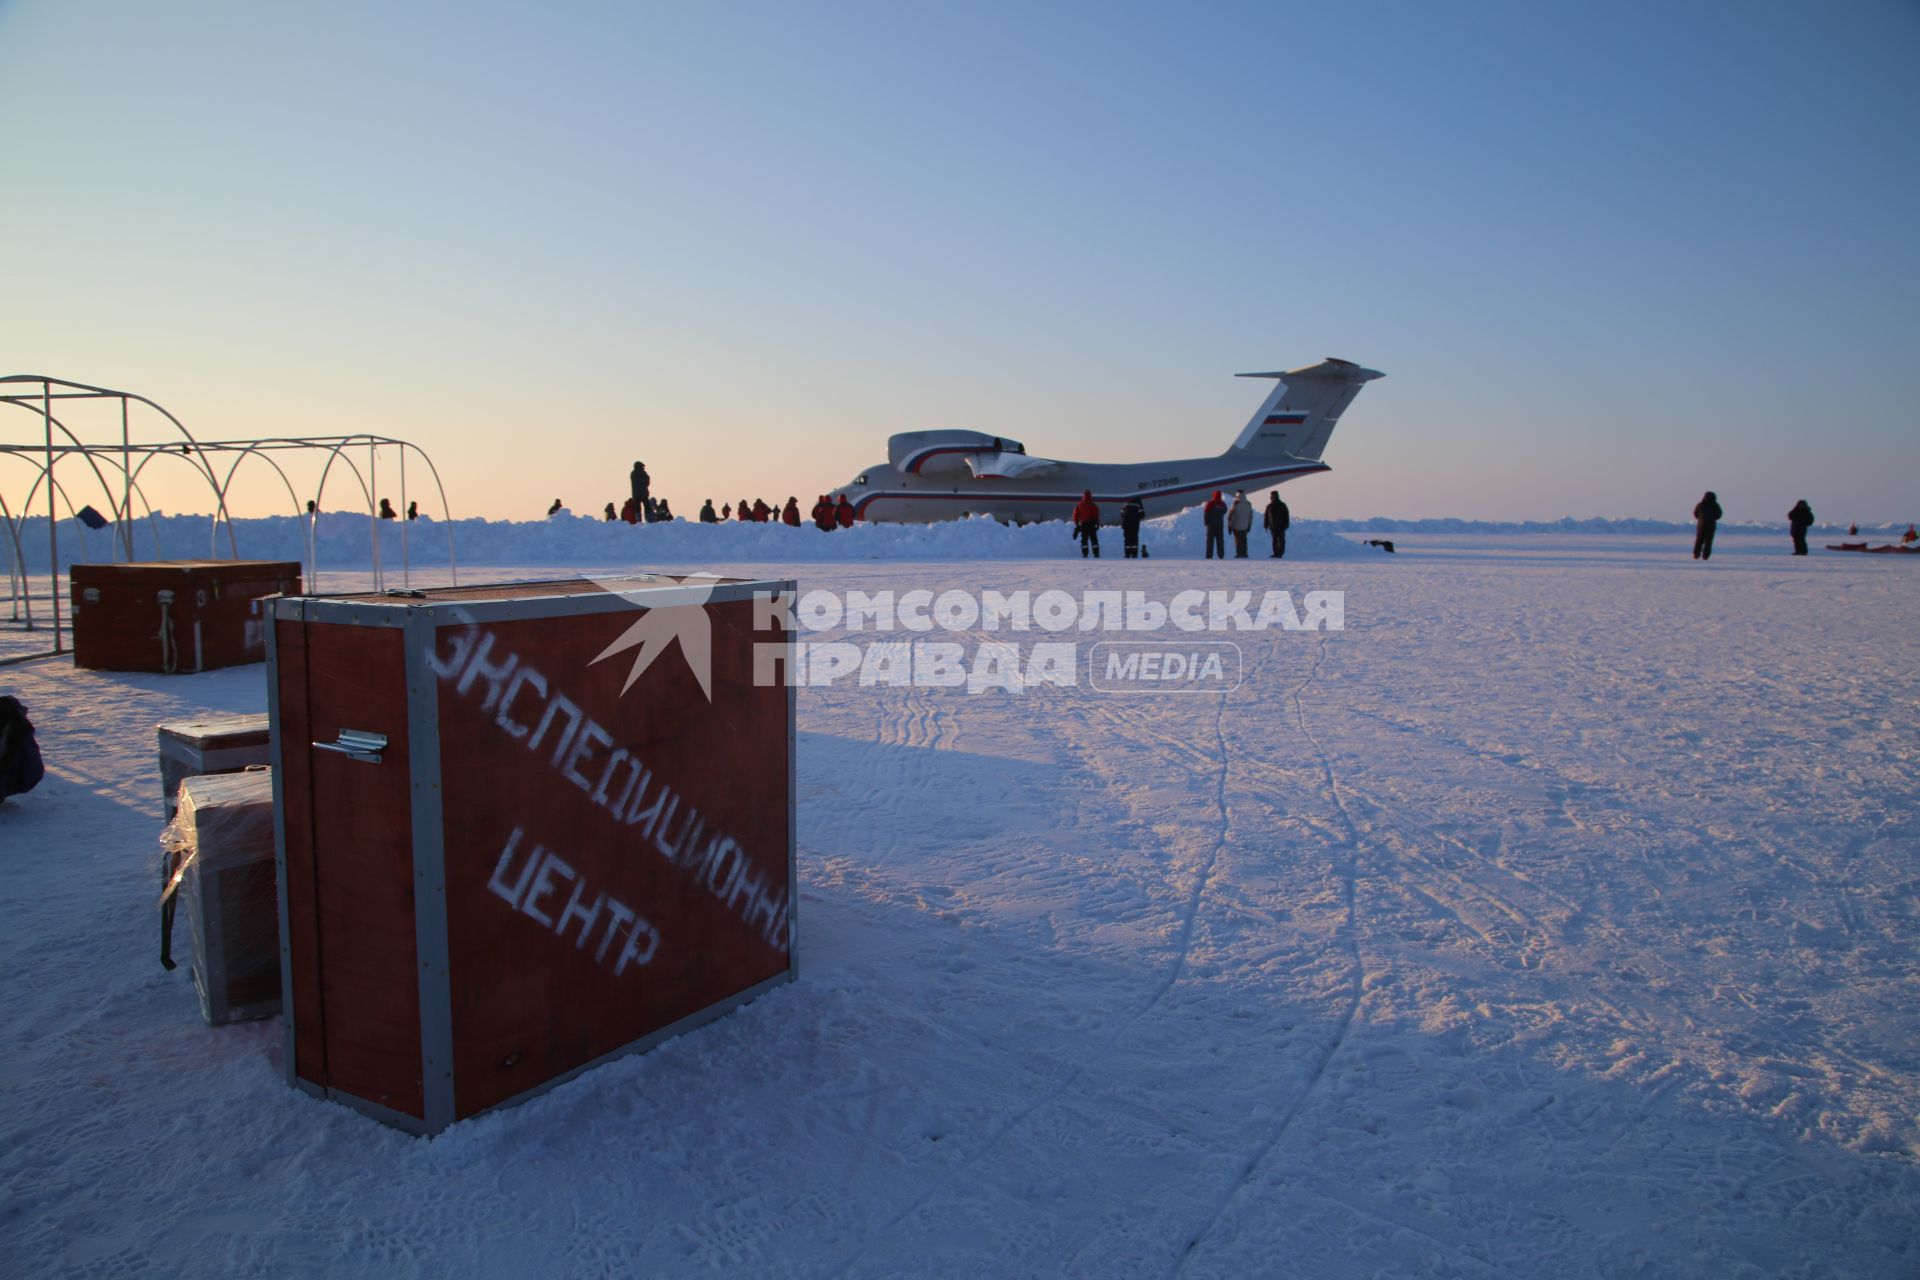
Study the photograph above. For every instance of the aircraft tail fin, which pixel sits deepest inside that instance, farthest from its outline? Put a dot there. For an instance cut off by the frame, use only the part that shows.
(1299, 417)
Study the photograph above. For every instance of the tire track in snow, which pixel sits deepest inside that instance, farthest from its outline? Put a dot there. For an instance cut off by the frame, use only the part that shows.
(1348, 874)
(1174, 974)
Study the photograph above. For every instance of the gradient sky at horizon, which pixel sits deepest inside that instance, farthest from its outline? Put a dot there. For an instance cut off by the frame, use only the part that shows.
(1608, 255)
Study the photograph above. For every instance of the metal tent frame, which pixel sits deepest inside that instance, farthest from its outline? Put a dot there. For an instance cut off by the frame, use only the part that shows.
(216, 461)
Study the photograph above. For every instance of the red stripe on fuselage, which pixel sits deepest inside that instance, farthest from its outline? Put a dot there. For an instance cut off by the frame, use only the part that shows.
(1006, 499)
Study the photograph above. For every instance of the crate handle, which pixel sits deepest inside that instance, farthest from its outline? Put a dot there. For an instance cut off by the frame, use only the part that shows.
(357, 744)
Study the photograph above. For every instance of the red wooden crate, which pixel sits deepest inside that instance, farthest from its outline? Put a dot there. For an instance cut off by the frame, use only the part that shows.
(499, 863)
(174, 615)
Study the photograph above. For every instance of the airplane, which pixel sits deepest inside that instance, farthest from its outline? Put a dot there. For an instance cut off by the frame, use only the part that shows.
(931, 476)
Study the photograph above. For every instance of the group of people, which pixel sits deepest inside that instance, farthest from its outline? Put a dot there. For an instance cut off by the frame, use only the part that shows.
(641, 507)
(1707, 514)
(651, 512)
(1217, 515)
(1221, 518)
(827, 514)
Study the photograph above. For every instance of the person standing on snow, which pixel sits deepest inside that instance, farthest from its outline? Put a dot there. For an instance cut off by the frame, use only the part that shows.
(1130, 517)
(790, 514)
(743, 514)
(1240, 520)
(556, 508)
(641, 485)
(1799, 520)
(1706, 515)
(1276, 521)
(1086, 524)
(20, 765)
(843, 513)
(1215, 516)
(707, 515)
(823, 515)
(761, 511)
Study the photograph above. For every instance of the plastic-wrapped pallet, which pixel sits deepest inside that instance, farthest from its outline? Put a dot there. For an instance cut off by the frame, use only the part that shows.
(221, 841)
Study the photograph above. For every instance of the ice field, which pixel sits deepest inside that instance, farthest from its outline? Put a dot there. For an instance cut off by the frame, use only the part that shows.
(1557, 917)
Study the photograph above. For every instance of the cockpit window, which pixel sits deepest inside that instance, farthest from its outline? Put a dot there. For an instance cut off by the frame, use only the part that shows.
(860, 481)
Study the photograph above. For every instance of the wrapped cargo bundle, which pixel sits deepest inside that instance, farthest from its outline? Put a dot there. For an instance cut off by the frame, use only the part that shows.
(221, 844)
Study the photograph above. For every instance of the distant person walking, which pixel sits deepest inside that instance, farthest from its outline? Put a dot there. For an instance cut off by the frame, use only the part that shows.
(1214, 514)
(1240, 520)
(556, 508)
(20, 765)
(843, 513)
(707, 514)
(1706, 516)
(1086, 524)
(641, 484)
(1130, 517)
(1799, 520)
(1276, 520)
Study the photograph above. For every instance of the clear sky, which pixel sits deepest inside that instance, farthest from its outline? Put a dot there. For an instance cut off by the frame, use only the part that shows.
(1609, 255)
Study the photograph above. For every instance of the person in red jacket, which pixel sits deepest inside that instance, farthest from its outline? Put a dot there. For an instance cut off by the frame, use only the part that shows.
(1215, 515)
(843, 513)
(744, 512)
(823, 515)
(761, 511)
(790, 515)
(1086, 524)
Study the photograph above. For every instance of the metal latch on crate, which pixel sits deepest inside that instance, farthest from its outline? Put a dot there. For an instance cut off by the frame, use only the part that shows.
(357, 744)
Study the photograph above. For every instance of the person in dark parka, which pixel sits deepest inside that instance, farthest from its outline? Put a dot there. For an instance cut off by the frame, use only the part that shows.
(1130, 517)
(843, 513)
(20, 765)
(641, 484)
(1706, 515)
(1215, 515)
(1799, 520)
(707, 513)
(1276, 521)
(790, 514)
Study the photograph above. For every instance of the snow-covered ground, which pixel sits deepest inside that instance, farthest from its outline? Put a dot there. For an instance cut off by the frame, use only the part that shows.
(1557, 917)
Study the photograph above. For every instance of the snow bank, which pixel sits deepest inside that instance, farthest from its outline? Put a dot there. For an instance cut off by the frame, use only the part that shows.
(568, 539)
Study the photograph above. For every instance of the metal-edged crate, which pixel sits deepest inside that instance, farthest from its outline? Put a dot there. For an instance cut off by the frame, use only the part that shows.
(174, 616)
(228, 884)
(519, 833)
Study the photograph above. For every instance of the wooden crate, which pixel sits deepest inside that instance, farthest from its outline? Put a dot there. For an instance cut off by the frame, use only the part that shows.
(174, 616)
(506, 854)
(217, 744)
(193, 748)
(229, 890)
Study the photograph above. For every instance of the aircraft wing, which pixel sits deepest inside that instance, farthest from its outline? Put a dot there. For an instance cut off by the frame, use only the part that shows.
(1008, 466)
